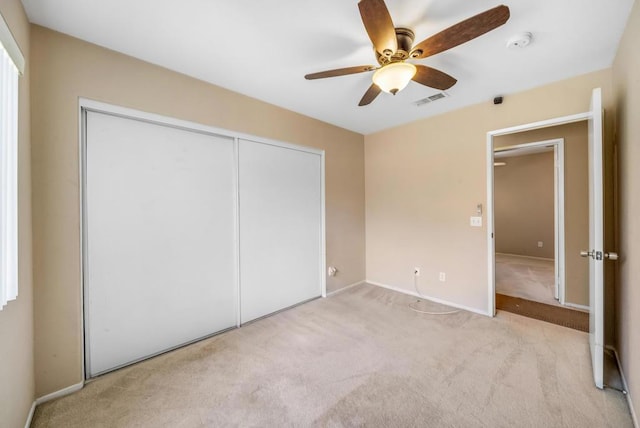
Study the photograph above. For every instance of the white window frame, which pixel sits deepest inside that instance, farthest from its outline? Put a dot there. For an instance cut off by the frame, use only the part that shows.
(11, 67)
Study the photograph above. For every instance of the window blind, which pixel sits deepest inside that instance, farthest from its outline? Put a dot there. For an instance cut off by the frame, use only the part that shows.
(8, 177)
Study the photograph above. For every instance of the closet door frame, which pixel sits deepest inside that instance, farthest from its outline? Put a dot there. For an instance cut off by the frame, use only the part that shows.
(85, 105)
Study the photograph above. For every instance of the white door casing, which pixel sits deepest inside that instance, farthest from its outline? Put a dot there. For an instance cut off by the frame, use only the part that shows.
(491, 295)
(558, 204)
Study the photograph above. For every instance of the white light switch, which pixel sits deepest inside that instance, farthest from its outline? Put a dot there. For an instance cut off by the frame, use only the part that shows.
(476, 221)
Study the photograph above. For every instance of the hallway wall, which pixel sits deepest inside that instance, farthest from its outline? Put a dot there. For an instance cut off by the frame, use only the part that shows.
(524, 205)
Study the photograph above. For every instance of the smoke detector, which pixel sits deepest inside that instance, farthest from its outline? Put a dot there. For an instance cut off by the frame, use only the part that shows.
(521, 40)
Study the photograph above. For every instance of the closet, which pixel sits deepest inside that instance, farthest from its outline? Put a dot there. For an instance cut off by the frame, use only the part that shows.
(280, 237)
(189, 231)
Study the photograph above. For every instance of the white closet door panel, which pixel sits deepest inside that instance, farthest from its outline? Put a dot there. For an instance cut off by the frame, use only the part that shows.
(160, 240)
(280, 228)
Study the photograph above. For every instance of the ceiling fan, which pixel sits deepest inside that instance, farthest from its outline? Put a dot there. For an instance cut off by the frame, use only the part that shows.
(393, 46)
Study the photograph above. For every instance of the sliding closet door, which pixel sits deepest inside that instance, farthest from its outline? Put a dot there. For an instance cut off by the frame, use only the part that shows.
(160, 252)
(280, 227)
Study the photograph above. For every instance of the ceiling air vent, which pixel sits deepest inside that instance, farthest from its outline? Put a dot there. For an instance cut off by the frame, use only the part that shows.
(432, 98)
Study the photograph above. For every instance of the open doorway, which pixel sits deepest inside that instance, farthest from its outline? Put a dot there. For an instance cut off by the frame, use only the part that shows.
(529, 221)
(597, 206)
(540, 178)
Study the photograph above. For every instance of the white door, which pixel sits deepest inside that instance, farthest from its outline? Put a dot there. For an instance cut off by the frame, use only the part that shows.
(160, 252)
(280, 227)
(596, 252)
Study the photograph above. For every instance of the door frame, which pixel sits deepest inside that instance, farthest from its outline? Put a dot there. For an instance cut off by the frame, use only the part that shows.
(491, 274)
(558, 208)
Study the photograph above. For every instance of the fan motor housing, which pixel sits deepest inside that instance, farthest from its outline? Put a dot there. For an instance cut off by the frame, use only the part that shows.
(405, 38)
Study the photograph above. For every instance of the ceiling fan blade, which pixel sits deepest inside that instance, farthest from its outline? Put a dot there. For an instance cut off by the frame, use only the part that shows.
(379, 25)
(370, 95)
(339, 72)
(462, 32)
(433, 78)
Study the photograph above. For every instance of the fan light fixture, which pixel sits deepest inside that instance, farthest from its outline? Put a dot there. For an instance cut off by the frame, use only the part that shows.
(394, 45)
(394, 77)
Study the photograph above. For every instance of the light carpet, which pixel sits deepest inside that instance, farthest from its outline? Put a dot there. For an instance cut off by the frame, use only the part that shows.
(526, 277)
(357, 358)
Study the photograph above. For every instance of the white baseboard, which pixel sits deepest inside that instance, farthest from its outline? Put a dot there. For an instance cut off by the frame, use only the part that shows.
(30, 415)
(61, 393)
(634, 417)
(433, 299)
(340, 290)
(526, 257)
(577, 306)
(57, 394)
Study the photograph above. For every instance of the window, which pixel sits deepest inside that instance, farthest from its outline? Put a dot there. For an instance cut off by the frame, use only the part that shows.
(11, 66)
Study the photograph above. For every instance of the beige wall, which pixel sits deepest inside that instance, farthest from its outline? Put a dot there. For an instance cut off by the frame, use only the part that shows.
(64, 69)
(524, 205)
(576, 204)
(424, 179)
(16, 319)
(626, 75)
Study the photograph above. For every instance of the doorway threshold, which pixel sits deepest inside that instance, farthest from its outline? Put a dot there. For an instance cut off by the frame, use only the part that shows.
(577, 320)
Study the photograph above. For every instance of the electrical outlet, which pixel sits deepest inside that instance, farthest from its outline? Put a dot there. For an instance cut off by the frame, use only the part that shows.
(475, 221)
(416, 271)
(442, 277)
(540, 244)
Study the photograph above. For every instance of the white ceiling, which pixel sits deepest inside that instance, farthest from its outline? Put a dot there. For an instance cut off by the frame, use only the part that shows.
(264, 48)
